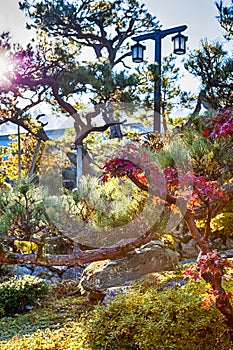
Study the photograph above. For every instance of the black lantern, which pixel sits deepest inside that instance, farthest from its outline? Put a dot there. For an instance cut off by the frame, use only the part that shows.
(137, 52)
(179, 44)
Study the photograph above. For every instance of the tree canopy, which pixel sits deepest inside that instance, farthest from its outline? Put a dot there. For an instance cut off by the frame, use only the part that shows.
(225, 17)
(214, 66)
(101, 25)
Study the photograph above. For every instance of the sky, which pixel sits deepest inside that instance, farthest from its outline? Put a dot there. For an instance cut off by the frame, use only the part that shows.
(198, 15)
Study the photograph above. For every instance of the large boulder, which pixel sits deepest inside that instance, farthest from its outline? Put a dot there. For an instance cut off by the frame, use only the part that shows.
(152, 257)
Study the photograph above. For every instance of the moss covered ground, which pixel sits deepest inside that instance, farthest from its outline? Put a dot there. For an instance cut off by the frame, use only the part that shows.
(155, 314)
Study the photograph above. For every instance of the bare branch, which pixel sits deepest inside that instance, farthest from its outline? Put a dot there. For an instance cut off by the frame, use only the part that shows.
(80, 139)
(116, 251)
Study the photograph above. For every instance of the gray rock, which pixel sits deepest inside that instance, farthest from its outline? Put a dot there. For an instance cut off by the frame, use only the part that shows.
(112, 292)
(171, 284)
(54, 280)
(217, 243)
(28, 307)
(72, 273)
(189, 250)
(43, 272)
(152, 257)
(187, 261)
(227, 254)
(229, 243)
(59, 268)
(22, 270)
(29, 266)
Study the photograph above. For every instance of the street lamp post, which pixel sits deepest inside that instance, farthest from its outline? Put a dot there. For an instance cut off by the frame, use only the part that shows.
(137, 56)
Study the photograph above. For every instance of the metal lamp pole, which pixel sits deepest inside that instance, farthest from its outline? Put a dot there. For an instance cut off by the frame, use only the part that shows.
(137, 56)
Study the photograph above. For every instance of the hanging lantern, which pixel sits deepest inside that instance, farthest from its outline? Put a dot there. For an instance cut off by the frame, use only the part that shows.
(179, 44)
(137, 52)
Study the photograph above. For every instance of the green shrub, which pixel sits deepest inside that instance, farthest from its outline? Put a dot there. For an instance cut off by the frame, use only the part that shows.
(106, 206)
(222, 224)
(169, 319)
(16, 293)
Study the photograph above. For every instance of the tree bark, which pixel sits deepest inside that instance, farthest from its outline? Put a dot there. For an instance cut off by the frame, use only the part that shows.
(116, 251)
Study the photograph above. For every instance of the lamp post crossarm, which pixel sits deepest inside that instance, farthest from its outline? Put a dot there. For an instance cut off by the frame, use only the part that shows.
(152, 35)
(160, 33)
(172, 31)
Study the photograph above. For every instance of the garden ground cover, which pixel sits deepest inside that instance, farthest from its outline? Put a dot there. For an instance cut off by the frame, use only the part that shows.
(152, 316)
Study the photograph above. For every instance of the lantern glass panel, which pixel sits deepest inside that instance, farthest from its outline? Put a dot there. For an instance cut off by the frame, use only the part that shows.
(137, 52)
(179, 44)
